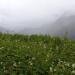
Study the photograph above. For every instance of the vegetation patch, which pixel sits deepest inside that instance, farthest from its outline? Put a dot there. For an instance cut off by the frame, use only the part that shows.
(36, 55)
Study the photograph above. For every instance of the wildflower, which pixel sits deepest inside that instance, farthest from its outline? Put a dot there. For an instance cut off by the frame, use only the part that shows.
(1, 63)
(33, 58)
(57, 47)
(4, 67)
(73, 72)
(66, 64)
(40, 43)
(19, 62)
(44, 46)
(73, 65)
(46, 60)
(1, 47)
(28, 47)
(47, 55)
(51, 48)
(55, 70)
(61, 65)
(60, 62)
(51, 69)
(6, 71)
(14, 64)
(30, 63)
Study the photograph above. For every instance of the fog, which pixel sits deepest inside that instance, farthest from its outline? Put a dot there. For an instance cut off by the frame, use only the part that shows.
(17, 14)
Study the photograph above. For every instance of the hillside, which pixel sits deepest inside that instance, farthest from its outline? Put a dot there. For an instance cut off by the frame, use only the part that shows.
(36, 55)
(67, 24)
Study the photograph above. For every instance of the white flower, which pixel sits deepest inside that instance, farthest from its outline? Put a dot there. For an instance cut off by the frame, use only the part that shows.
(1, 47)
(40, 43)
(14, 64)
(51, 69)
(67, 64)
(55, 70)
(47, 55)
(73, 65)
(4, 67)
(44, 46)
(30, 63)
(60, 62)
(33, 58)
(28, 47)
(19, 62)
(5, 71)
(57, 47)
(73, 72)
(1, 62)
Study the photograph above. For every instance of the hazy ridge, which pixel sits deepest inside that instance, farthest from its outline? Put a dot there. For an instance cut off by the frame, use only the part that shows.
(65, 23)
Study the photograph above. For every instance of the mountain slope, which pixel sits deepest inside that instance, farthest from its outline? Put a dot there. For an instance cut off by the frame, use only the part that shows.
(68, 26)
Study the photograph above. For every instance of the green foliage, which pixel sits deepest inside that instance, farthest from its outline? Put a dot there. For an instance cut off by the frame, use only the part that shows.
(36, 55)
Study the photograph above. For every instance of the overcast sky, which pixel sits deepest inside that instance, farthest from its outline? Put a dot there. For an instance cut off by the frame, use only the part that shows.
(32, 13)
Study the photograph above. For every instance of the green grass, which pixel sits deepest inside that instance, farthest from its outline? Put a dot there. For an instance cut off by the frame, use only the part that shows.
(36, 55)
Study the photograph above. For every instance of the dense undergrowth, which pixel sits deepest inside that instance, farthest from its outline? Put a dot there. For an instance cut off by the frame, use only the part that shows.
(36, 55)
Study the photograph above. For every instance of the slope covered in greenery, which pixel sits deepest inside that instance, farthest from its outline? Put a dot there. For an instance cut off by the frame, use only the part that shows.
(36, 55)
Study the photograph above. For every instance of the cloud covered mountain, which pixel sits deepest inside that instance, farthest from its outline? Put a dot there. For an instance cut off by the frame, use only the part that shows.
(64, 24)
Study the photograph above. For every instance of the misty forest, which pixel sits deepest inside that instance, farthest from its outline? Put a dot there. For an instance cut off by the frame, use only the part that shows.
(37, 37)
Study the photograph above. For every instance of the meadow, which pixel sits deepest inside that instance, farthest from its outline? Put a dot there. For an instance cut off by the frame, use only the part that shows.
(36, 55)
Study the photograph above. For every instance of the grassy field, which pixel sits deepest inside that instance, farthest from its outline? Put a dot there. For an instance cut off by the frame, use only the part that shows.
(36, 55)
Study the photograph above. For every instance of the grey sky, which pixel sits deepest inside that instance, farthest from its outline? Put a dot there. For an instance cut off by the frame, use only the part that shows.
(32, 13)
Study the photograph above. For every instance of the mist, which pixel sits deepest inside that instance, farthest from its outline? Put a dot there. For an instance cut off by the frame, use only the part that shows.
(35, 15)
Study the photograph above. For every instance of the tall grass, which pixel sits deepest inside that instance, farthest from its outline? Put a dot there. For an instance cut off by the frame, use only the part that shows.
(36, 55)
